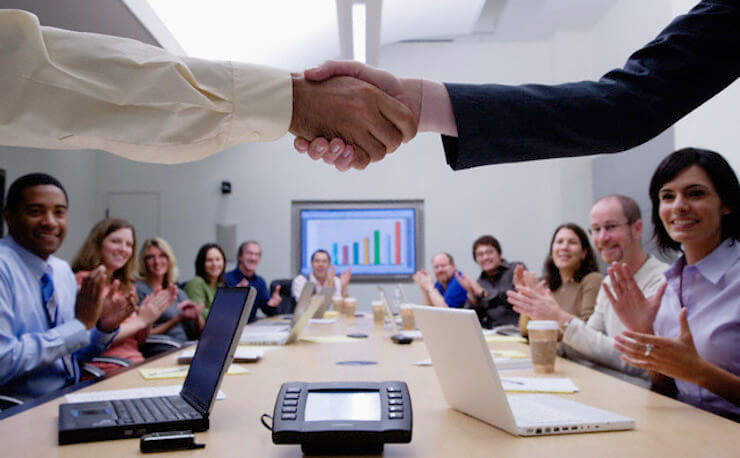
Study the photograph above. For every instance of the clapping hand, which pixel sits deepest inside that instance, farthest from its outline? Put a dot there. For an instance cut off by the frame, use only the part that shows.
(635, 311)
(116, 308)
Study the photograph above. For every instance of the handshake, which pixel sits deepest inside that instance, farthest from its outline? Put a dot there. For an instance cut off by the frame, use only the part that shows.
(349, 114)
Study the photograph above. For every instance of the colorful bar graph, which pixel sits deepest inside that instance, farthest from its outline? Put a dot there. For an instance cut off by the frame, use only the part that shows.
(379, 249)
(377, 246)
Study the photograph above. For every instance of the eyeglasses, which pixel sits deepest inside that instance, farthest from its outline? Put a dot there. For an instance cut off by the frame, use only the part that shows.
(608, 228)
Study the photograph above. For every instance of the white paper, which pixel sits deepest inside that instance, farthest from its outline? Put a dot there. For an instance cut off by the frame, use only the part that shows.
(130, 393)
(539, 385)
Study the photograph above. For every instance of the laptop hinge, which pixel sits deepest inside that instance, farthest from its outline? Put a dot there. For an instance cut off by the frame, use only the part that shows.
(193, 401)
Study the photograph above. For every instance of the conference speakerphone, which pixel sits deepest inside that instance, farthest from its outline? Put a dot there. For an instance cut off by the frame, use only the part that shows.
(342, 417)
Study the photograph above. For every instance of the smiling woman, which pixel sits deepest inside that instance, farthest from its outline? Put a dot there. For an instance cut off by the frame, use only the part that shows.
(183, 319)
(689, 337)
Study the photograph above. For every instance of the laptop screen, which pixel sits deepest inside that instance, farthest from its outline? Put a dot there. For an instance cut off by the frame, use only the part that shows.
(225, 321)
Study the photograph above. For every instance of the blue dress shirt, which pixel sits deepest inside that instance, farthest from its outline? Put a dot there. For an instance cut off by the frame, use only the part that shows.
(454, 295)
(232, 278)
(31, 350)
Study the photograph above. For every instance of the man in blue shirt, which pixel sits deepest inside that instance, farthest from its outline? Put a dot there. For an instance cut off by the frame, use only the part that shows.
(46, 325)
(250, 253)
(446, 291)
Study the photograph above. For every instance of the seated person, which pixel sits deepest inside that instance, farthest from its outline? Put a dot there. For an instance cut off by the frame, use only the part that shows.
(210, 265)
(446, 291)
(322, 276)
(183, 319)
(47, 326)
(245, 274)
(112, 243)
(687, 335)
(616, 228)
(487, 296)
(571, 273)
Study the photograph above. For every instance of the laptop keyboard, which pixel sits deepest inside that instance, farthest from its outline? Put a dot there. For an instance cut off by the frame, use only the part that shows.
(153, 410)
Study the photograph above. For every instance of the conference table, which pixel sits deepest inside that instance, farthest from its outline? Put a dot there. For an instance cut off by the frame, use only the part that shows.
(664, 427)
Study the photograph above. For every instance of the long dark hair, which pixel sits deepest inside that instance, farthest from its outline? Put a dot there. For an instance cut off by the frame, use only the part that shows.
(200, 262)
(723, 178)
(588, 264)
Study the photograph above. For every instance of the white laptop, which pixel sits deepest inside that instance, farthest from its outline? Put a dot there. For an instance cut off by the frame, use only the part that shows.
(271, 335)
(470, 382)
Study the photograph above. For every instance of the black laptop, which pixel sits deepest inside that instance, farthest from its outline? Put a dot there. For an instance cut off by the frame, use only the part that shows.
(125, 418)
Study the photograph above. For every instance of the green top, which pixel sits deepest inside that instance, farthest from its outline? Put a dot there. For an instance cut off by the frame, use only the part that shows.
(199, 291)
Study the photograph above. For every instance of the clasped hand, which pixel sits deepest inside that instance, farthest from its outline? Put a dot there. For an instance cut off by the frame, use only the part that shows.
(366, 112)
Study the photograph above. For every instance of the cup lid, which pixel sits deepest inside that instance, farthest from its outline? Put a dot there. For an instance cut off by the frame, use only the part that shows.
(542, 325)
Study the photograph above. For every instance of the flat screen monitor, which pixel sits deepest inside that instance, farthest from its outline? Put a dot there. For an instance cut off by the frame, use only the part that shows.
(379, 240)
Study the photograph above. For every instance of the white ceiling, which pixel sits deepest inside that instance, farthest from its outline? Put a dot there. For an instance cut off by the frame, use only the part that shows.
(295, 34)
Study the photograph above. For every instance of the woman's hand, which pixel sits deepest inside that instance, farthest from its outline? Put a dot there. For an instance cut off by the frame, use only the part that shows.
(154, 304)
(537, 305)
(676, 358)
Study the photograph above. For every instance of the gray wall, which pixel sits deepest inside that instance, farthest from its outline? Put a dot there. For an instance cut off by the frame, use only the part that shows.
(520, 204)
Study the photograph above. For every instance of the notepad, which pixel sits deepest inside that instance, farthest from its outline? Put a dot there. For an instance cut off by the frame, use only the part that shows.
(500, 338)
(538, 385)
(181, 371)
(243, 354)
(330, 339)
(503, 359)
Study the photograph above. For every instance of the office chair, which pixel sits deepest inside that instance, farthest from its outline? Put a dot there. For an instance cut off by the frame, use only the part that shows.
(287, 303)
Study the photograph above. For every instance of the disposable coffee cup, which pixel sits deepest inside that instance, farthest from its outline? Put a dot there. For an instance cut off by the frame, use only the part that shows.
(338, 303)
(378, 313)
(408, 323)
(543, 342)
(349, 306)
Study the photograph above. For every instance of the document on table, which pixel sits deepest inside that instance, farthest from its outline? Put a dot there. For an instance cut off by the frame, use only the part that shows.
(330, 339)
(503, 359)
(243, 354)
(181, 371)
(130, 393)
(538, 385)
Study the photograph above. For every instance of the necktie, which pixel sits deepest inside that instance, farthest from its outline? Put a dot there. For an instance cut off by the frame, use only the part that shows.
(50, 306)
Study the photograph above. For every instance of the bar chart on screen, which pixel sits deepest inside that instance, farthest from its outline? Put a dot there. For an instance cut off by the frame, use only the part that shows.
(370, 241)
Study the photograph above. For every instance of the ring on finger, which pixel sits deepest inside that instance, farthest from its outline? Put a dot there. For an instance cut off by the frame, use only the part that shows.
(648, 350)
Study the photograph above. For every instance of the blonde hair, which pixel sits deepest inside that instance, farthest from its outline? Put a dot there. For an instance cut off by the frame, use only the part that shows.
(172, 271)
(89, 257)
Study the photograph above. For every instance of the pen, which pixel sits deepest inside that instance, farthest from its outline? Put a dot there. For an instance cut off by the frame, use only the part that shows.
(515, 382)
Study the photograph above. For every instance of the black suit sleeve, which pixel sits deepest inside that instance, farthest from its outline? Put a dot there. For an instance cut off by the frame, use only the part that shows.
(692, 59)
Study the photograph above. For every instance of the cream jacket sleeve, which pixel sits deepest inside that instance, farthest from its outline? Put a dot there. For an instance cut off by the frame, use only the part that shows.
(72, 90)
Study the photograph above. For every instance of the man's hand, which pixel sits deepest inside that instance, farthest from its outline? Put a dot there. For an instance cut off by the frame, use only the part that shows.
(471, 286)
(635, 311)
(116, 308)
(423, 280)
(275, 299)
(344, 278)
(371, 122)
(89, 303)
(243, 283)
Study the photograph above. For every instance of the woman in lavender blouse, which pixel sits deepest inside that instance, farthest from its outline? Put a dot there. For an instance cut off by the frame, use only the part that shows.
(687, 336)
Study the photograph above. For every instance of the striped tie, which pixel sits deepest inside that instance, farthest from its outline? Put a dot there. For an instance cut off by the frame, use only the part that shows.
(50, 306)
